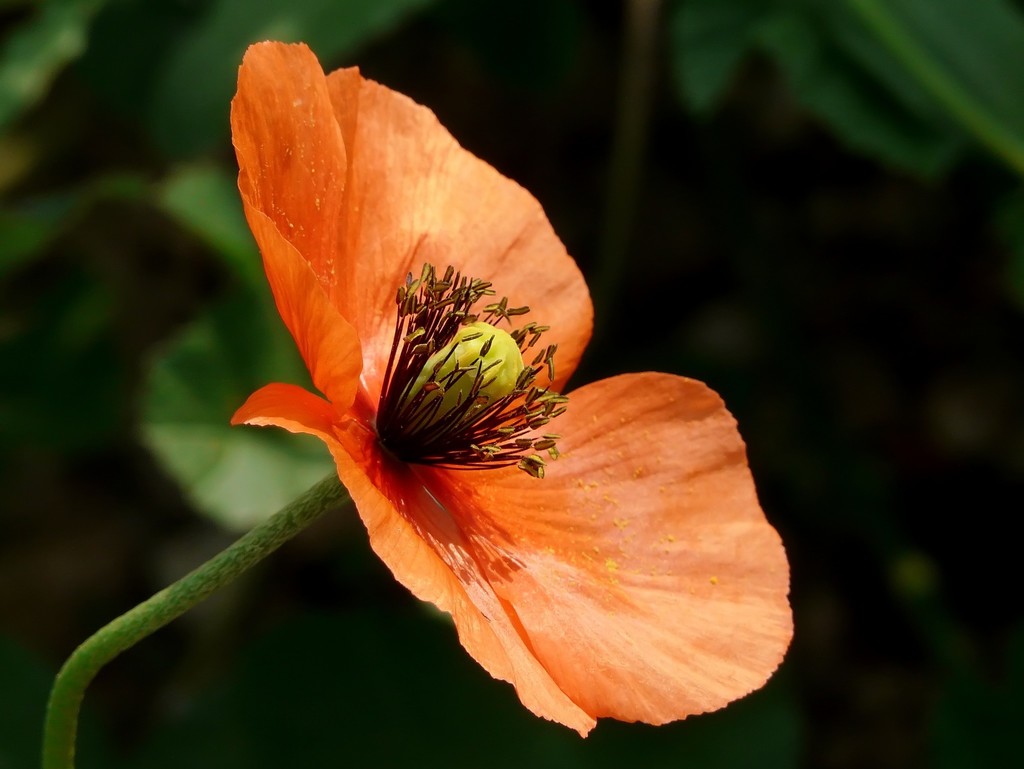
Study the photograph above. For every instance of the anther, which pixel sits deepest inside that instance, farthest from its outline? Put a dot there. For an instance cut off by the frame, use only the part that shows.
(456, 391)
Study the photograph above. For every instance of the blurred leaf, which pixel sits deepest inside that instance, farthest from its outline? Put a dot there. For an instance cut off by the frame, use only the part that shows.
(62, 383)
(20, 237)
(35, 53)
(26, 686)
(530, 44)
(142, 32)
(206, 201)
(836, 67)
(25, 231)
(708, 40)
(863, 111)
(237, 475)
(862, 46)
(977, 722)
(969, 54)
(193, 92)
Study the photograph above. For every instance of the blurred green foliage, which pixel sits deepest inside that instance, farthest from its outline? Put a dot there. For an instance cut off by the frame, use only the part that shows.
(34, 54)
(238, 476)
(201, 378)
(204, 199)
(899, 79)
(135, 319)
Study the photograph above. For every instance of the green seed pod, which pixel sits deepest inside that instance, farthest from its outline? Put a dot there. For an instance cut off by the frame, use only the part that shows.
(481, 364)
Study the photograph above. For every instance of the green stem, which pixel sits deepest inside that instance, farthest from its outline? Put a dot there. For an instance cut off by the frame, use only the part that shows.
(972, 115)
(170, 603)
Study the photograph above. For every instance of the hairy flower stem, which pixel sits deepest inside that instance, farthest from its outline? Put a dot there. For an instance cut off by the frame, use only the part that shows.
(169, 604)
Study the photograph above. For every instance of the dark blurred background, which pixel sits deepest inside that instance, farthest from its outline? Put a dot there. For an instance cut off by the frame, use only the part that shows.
(813, 205)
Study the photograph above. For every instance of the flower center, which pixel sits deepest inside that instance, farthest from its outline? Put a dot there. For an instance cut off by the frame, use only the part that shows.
(455, 374)
(457, 392)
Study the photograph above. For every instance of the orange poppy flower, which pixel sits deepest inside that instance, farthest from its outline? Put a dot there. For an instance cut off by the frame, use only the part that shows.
(638, 579)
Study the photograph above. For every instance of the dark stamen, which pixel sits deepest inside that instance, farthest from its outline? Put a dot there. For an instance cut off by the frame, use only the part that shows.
(477, 430)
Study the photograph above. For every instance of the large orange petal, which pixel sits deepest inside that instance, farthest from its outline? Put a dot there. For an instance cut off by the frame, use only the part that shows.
(327, 342)
(413, 195)
(642, 571)
(291, 174)
(416, 538)
(291, 156)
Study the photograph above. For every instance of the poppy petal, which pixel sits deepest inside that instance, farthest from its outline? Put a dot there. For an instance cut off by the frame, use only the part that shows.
(414, 536)
(642, 570)
(415, 196)
(291, 407)
(327, 342)
(291, 156)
